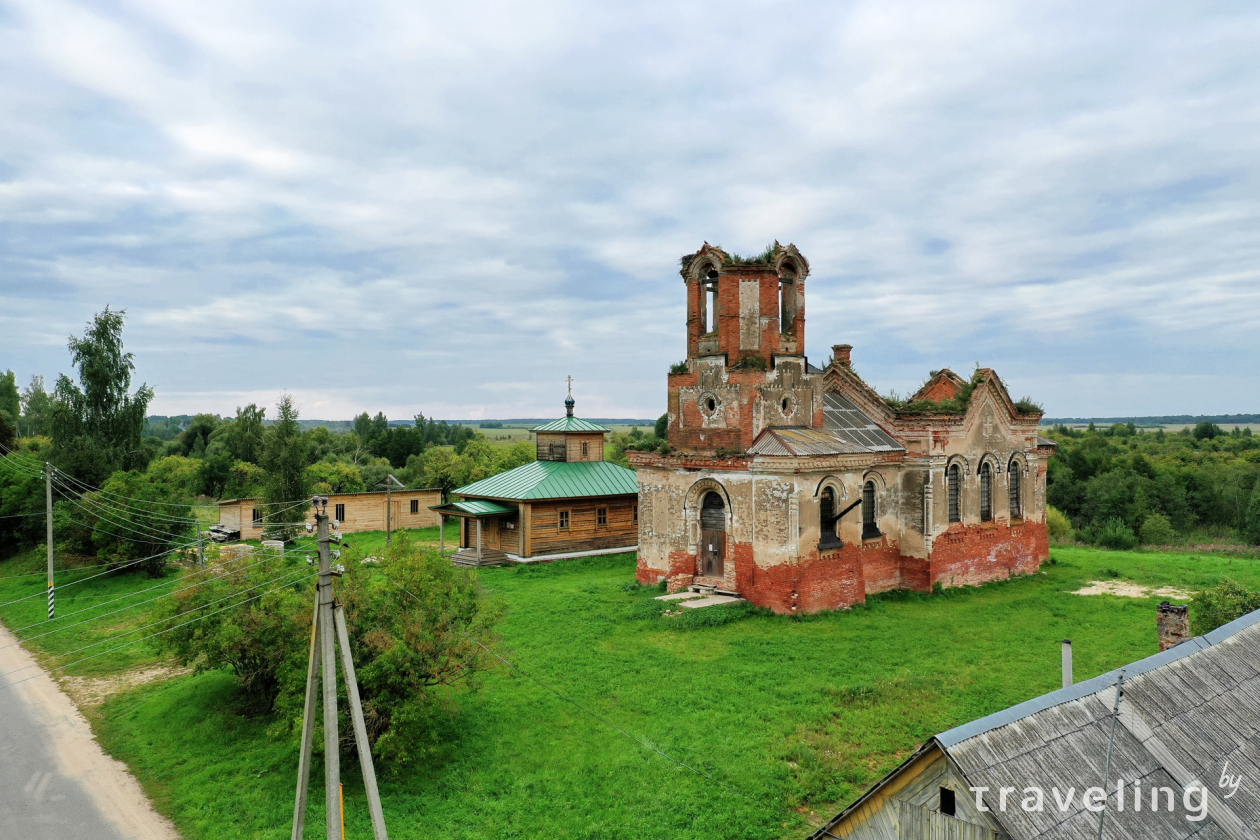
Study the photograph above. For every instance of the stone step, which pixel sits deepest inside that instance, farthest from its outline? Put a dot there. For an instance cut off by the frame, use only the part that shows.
(710, 601)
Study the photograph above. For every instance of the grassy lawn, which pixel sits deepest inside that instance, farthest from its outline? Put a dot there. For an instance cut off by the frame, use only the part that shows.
(791, 718)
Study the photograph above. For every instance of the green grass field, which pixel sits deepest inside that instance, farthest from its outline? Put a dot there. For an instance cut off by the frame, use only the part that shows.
(788, 719)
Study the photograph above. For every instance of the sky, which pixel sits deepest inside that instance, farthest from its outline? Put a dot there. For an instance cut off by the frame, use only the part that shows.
(448, 208)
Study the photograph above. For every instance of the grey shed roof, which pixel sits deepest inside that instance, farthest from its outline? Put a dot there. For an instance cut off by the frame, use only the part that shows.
(1185, 713)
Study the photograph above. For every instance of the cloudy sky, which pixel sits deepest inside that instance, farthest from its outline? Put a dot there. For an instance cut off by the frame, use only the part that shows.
(448, 207)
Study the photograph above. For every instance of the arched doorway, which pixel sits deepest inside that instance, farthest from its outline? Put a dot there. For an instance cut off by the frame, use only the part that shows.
(712, 535)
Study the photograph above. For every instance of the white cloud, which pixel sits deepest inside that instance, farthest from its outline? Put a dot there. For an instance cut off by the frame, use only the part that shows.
(452, 207)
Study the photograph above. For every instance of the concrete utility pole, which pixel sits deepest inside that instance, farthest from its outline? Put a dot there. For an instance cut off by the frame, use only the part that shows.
(48, 533)
(327, 623)
(390, 483)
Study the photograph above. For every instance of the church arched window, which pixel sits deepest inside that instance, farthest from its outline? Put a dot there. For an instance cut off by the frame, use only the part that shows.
(710, 293)
(827, 537)
(986, 492)
(787, 289)
(870, 529)
(1015, 473)
(953, 478)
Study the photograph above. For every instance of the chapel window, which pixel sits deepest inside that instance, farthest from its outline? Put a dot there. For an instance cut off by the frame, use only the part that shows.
(869, 529)
(787, 285)
(584, 452)
(1017, 500)
(827, 520)
(601, 517)
(564, 520)
(953, 478)
(986, 492)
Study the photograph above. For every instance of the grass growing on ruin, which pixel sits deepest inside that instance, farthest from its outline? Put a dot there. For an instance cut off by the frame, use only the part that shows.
(791, 718)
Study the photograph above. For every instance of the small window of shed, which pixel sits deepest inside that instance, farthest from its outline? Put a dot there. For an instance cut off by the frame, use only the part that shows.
(948, 805)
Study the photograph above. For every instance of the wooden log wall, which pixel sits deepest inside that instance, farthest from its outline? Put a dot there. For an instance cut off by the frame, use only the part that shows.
(584, 532)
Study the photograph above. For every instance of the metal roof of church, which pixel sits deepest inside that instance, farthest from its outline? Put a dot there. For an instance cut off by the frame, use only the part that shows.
(570, 424)
(556, 480)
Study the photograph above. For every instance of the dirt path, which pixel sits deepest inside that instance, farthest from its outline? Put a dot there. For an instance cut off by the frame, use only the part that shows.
(56, 783)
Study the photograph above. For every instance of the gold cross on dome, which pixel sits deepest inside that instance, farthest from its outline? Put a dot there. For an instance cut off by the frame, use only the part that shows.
(569, 379)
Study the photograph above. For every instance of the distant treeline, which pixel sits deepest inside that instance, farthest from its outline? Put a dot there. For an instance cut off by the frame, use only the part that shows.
(1158, 420)
(169, 427)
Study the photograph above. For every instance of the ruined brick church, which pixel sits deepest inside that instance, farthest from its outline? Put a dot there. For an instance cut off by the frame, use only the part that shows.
(802, 489)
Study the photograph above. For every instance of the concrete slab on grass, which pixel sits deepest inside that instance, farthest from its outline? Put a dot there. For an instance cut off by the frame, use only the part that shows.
(679, 596)
(711, 601)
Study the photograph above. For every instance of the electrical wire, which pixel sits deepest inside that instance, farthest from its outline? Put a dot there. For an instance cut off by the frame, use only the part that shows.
(579, 707)
(215, 568)
(303, 571)
(150, 636)
(98, 574)
(137, 604)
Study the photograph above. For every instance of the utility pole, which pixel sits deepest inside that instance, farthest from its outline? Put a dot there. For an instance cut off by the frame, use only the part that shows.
(327, 623)
(201, 555)
(390, 483)
(48, 533)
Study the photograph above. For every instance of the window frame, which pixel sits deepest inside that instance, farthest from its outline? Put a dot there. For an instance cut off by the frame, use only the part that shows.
(415, 506)
(986, 491)
(828, 502)
(601, 517)
(1015, 493)
(339, 512)
(870, 512)
(953, 492)
(585, 453)
(256, 517)
(564, 520)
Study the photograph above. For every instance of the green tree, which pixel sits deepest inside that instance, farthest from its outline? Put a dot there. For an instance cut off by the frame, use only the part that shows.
(196, 436)
(1206, 430)
(1157, 530)
(335, 477)
(36, 409)
(1220, 605)
(284, 460)
(154, 519)
(244, 480)
(8, 433)
(10, 400)
(97, 425)
(244, 436)
(215, 470)
(1251, 520)
(662, 426)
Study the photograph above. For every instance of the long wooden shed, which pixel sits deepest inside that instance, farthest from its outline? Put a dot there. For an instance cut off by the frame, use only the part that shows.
(354, 511)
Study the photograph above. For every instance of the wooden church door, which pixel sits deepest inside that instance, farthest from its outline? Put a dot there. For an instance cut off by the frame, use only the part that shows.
(712, 535)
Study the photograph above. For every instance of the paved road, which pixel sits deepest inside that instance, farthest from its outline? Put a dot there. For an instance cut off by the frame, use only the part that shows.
(55, 781)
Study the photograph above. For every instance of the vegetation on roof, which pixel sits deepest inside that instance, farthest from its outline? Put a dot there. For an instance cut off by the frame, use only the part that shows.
(957, 405)
(680, 367)
(766, 257)
(751, 361)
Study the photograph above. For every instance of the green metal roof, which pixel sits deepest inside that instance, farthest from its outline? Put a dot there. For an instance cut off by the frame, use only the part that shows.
(570, 424)
(556, 480)
(475, 507)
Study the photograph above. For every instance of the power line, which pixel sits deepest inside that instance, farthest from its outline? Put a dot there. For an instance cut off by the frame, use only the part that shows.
(226, 574)
(581, 708)
(106, 572)
(150, 636)
(164, 620)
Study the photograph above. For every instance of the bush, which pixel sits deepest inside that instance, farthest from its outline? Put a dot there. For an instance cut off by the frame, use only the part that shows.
(407, 650)
(1220, 605)
(1115, 534)
(1057, 524)
(679, 367)
(1157, 530)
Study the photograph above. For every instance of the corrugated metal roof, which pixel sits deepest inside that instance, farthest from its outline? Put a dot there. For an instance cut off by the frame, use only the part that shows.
(1184, 713)
(842, 416)
(475, 507)
(798, 440)
(570, 424)
(556, 480)
(1045, 441)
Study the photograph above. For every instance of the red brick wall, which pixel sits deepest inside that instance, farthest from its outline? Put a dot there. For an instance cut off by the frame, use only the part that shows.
(964, 555)
(972, 554)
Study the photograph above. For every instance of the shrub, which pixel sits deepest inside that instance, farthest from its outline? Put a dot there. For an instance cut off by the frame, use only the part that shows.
(1220, 605)
(1206, 430)
(1059, 526)
(1157, 530)
(679, 367)
(1115, 534)
(408, 651)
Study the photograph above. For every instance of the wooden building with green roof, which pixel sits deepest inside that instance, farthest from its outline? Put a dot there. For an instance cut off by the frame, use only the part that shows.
(568, 502)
